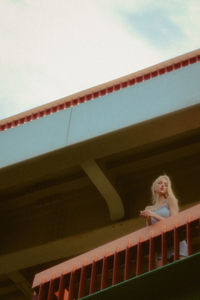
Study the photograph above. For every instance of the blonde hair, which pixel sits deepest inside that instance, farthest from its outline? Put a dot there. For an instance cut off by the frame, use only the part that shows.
(171, 198)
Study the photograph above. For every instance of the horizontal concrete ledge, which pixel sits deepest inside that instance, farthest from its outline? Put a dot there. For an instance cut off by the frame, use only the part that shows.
(173, 64)
(126, 107)
(133, 137)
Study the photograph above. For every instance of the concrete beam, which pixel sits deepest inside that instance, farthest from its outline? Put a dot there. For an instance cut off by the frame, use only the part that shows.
(67, 247)
(104, 186)
(30, 197)
(167, 156)
(132, 137)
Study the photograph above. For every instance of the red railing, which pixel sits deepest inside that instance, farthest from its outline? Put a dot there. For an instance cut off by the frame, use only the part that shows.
(119, 260)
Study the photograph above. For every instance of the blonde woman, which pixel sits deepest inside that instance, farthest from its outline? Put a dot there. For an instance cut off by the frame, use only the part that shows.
(164, 205)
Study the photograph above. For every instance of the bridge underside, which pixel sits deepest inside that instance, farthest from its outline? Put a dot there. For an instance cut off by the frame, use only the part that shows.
(62, 198)
(44, 196)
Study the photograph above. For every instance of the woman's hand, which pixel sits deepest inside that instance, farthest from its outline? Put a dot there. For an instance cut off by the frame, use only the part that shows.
(146, 213)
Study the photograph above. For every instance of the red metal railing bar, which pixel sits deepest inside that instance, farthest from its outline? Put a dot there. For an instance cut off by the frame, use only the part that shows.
(82, 283)
(42, 291)
(176, 244)
(93, 278)
(104, 273)
(127, 263)
(188, 237)
(199, 226)
(51, 290)
(139, 258)
(61, 289)
(151, 253)
(65, 296)
(164, 248)
(199, 232)
(115, 278)
(72, 286)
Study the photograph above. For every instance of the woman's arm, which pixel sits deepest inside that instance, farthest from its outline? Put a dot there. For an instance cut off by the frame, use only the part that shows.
(156, 216)
(173, 206)
(144, 214)
(147, 213)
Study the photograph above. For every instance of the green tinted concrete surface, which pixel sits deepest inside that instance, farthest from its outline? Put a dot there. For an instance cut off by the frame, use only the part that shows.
(178, 280)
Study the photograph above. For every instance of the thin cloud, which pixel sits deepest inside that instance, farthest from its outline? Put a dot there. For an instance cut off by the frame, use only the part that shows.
(154, 25)
(55, 50)
(171, 26)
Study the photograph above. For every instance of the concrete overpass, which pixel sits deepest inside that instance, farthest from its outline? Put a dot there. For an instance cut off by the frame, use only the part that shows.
(75, 176)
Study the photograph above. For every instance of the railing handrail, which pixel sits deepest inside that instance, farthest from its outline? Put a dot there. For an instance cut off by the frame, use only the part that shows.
(132, 239)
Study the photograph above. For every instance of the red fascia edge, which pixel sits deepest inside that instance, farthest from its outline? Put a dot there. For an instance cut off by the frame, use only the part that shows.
(132, 239)
(103, 92)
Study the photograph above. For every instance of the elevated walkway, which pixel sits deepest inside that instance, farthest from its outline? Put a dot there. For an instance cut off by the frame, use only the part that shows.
(118, 269)
(177, 280)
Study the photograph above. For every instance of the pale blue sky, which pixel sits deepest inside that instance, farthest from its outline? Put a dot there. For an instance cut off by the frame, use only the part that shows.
(154, 25)
(54, 48)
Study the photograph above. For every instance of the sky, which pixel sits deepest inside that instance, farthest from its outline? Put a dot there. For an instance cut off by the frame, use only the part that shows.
(54, 48)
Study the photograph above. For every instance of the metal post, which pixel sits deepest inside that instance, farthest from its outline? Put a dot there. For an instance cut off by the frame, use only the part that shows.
(176, 244)
(151, 253)
(93, 278)
(81, 291)
(71, 294)
(127, 263)
(115, 278)
(51, 290)
(188, 234)
(139, 258)
(61, 289)
(104, 273)
(42, 291)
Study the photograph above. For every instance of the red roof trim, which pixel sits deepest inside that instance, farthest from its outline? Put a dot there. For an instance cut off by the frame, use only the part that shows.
(31, 115)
